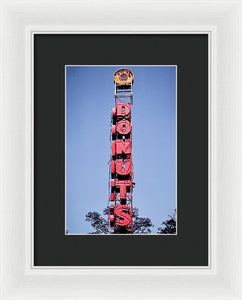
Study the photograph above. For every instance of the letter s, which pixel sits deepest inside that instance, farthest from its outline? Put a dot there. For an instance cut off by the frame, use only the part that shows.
(122, 212)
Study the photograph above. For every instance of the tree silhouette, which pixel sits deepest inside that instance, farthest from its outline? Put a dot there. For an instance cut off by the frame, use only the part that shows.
(141, 225)
(168, 226)
(100, 224)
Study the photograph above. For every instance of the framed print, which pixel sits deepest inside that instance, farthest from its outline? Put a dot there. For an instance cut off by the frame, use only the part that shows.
(43, 255)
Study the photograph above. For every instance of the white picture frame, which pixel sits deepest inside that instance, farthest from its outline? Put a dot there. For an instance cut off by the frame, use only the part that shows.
(19, 279)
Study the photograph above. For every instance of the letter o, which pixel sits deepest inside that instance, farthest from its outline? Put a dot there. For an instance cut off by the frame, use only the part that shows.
(123, 127)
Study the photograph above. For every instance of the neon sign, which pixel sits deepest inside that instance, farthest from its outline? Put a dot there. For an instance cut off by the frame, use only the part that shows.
(121, 166)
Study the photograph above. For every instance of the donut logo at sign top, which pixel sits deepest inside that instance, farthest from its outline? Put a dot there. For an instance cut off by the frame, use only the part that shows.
(123, 77)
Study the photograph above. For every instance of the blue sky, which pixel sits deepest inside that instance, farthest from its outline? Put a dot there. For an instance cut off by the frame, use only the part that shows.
(89, 101)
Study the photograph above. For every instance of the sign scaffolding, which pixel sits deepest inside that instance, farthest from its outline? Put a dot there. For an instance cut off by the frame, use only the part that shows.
(121, 170)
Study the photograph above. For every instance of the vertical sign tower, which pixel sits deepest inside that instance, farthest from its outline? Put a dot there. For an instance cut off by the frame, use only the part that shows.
(121, 169)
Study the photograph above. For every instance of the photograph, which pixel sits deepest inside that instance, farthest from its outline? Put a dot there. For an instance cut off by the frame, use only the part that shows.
(121, 150)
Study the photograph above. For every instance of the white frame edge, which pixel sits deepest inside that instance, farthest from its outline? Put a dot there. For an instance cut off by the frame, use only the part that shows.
(18, 278)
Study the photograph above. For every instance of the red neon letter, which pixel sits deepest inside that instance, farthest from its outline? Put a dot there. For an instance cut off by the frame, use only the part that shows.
(122, 211)
(123, 109)
(123, 147)
(123, 167)
(123, 184)
(123, 127)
